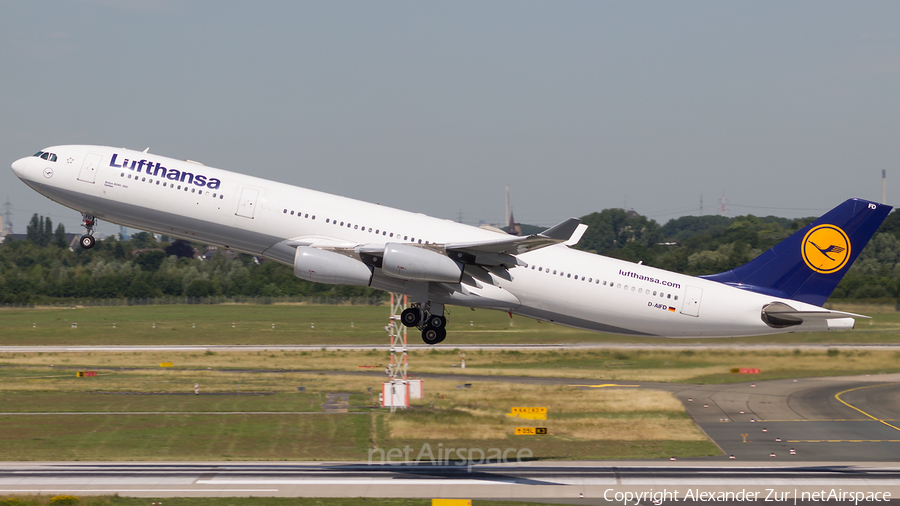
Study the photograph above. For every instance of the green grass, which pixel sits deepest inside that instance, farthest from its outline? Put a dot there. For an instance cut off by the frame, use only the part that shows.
(185, 437)
(333, 325)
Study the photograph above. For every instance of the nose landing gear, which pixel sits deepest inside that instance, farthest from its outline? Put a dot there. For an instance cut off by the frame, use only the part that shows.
(432, 325)
(88, 221)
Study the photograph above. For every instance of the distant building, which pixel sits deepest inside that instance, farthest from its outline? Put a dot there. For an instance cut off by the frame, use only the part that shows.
(512, 227)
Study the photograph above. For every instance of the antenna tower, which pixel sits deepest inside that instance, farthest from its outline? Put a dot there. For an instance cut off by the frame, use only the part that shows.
(7, 222)
(723, 207)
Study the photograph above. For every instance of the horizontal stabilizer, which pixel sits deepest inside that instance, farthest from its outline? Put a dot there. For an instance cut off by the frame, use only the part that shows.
(781, 315)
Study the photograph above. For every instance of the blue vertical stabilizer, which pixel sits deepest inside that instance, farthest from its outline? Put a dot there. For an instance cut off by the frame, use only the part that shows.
(808, 265)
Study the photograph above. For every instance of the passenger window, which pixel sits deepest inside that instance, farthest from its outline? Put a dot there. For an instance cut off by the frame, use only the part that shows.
(313, 217)
(354, 228)
(342, 223)
(632, 288)
(626, 287)
(619, 285)
(193, 190)
(569, 276)
(640, 290)
(590, 280)
(292, 213)
(221, 197)
(670, 296)
(370, 230)
(392, 234)
(654, 293)
(405, 237)
(604, 283)
(420, 241)
(676, 297)
(306, 215)
(285, 211)
(157, 183)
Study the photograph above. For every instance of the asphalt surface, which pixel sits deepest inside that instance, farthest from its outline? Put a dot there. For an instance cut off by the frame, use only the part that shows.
(560, 482)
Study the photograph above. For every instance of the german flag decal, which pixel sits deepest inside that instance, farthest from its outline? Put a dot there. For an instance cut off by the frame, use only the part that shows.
(672, 309)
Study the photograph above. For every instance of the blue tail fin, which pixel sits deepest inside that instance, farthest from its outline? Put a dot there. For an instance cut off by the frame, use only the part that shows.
(808, 265)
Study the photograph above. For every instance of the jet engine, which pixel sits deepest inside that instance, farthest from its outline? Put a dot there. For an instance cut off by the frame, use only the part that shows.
(419, 264)
(322, 266)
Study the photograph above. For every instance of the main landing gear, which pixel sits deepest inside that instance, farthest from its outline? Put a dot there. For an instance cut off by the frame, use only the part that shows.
(87, 240)
(433, 326)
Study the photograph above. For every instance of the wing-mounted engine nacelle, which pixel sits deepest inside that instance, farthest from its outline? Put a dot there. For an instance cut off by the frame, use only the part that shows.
(419, 264)
(322, 266)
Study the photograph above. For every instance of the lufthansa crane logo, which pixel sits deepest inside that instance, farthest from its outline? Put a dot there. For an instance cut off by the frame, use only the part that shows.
(825, 249)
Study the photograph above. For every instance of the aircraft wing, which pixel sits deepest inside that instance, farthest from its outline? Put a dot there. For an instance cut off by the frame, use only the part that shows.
(487, 261)
(513, 245)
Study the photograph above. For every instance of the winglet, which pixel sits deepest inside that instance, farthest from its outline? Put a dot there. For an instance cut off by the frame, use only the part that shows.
(563, 231)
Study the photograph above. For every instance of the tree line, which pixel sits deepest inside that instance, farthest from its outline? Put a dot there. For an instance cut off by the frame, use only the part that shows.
(43, 269)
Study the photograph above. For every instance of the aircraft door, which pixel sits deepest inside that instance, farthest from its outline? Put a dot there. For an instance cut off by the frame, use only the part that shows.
(691, 306)
(89, 168)
(247, 203)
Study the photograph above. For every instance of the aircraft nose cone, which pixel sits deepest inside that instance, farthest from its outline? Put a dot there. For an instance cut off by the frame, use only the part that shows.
(18, 167)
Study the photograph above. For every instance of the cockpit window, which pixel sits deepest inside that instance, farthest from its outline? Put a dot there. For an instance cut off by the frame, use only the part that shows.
(38, 154)
(52, 157)
(46, 156)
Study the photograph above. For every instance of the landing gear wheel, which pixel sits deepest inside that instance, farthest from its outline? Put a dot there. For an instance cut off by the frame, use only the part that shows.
(410, 317)
(436, 321)
(433, 336)
(87, 241)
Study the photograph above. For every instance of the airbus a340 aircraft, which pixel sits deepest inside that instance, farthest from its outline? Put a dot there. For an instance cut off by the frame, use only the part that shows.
(336, 240)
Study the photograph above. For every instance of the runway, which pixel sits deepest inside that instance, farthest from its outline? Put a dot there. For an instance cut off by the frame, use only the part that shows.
(535, 482)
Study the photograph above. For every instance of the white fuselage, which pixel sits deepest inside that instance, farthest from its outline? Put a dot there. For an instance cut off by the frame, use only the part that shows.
(267, 218)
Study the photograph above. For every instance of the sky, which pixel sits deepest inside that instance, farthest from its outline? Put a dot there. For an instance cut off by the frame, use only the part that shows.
(788, 108)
